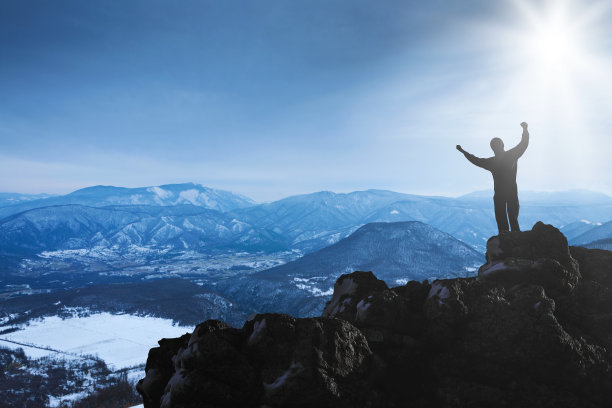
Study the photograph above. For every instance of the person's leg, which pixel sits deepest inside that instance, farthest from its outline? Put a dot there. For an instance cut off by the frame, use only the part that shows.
(513, 212)
(500, 213)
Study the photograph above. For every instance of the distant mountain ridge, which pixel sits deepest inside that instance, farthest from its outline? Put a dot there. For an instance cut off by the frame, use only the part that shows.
(183, 227)
(575, 196)
(305, 222)
(8, 199)
(596, 233)
(164, 195)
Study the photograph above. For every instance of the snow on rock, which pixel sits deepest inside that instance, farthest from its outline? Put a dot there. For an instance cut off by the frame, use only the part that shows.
(258, 329)
(346, 288)
(349, 288)
(362, 308)
(439, 290)
(160, 193)
(190, 196)
(494, 267)
(292, 371)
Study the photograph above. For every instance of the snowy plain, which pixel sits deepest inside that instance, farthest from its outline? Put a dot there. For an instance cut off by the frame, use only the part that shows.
(121, 340)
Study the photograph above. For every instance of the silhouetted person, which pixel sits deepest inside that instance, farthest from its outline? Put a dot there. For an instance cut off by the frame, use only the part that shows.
(503, 168)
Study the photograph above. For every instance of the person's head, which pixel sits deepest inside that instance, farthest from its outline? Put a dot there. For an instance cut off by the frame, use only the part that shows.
(497, 145)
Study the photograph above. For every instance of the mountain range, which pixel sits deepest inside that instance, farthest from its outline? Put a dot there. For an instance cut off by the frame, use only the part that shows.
(397, 252)
(7, 199)
(137, 251)
(75, 226)
(194, 217)
(164, 195)
(597, 233)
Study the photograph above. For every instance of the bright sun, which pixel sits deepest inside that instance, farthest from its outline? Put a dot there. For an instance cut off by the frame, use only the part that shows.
(553, 46)
(554, 43)
(553, 54)
(551, 61)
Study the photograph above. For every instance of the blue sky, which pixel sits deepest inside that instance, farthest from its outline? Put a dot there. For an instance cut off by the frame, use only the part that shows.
(274, 98)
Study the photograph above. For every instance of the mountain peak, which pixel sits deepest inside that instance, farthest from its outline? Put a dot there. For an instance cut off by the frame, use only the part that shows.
(396, 251)
(164, 195)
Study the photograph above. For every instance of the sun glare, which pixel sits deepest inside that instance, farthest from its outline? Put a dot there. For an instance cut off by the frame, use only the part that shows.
(553, 52)
(551, 65)
(554, 47)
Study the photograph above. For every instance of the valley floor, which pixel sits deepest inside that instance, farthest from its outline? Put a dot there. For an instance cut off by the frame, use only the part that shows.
(115, 344)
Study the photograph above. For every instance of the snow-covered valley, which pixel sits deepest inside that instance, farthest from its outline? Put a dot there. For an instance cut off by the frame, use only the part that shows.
(120, 340)
(90, 348)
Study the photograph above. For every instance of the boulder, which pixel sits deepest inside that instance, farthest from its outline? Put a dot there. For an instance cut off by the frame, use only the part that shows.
(540, 257)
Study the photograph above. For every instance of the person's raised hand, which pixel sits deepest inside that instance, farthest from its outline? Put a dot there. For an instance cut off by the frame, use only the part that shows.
(524, 125)
(460, 148)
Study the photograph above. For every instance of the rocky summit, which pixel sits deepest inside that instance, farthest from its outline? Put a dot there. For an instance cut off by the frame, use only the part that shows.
(533, 329)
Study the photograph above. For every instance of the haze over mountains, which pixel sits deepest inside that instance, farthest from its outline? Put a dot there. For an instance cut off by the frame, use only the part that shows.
(7, 199)
(165, 195)
(192, 217)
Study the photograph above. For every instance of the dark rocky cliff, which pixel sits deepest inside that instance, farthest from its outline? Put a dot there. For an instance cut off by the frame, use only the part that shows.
(534, 329)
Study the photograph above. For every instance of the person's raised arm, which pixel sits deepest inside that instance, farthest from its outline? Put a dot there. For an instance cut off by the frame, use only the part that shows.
(477, 161)
(520, 148)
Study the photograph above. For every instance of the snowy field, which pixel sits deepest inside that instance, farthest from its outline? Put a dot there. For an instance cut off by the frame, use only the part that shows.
(120, 340)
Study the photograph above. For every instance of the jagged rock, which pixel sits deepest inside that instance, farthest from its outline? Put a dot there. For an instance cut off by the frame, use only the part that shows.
(349, 288)
(305, 362)
(378, 311)
(159, 369)
(274, 359)
(534, 329)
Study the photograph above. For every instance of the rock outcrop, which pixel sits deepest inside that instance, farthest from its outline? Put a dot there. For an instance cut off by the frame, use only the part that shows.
(533, 329)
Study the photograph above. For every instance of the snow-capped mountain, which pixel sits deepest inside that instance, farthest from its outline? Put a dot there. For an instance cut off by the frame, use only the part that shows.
(575, 229)
(181, 227)
(597, 233)
(189, 216)
(7, 199)
(165, 195)
(313, 221)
